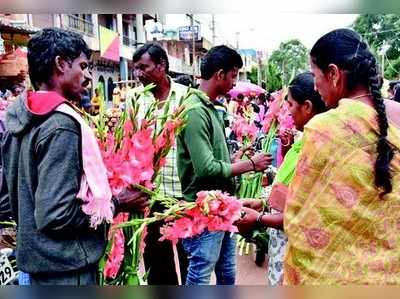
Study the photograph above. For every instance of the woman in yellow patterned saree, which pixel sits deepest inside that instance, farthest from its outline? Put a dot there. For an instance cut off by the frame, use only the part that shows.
(342, 216)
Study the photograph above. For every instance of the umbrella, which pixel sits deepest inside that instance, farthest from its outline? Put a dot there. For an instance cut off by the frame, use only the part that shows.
(246, 88)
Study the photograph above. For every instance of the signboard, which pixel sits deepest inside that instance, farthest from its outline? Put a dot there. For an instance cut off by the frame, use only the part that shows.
(2, 48)
(154, 30)
(109, 44)
(187, 32)
(248, 52)
(7, 273)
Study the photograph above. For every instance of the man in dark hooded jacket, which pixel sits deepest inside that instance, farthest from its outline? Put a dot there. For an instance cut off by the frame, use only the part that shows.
(42, 168)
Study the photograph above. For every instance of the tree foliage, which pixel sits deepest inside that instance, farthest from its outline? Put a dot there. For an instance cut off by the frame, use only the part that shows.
(269, 74)
(274, 79)
(382, 33)
(290, 59)
(253, 75)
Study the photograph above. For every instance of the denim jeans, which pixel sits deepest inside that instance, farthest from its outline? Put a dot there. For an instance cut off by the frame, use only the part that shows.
(208, 252)
(24, 279)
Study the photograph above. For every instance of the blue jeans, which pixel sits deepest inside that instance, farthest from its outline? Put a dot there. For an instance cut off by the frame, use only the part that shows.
(24, 279)
(208, 252)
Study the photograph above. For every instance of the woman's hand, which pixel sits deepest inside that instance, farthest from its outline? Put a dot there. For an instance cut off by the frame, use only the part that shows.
(287, 138)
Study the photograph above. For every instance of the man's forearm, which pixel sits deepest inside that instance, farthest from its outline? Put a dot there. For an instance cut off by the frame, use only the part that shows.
(241, 167)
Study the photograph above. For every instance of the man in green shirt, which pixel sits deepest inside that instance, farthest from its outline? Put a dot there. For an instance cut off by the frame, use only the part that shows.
(204, 164)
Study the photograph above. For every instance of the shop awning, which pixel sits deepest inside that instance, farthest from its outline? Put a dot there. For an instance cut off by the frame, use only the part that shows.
(18, 28)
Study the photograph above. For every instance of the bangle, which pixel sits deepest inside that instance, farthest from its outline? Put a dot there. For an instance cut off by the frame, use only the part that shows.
(254, 165)
(285, 144)
(259, 218)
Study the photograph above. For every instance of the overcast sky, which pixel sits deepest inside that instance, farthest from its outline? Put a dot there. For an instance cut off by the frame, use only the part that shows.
(266, 31)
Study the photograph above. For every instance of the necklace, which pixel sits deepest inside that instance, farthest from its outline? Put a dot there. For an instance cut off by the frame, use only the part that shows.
(361, 96)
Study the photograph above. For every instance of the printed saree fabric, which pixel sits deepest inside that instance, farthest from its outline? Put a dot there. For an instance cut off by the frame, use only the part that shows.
(340, 230)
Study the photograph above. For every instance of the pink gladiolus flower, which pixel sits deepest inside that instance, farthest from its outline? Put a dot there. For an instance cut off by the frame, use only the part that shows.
(161, 141)
(128, 129)
(162, 163)
(142, 245)
(117, 250)
(136, 158)
(214, 211)
(244, 129)
(279, 111)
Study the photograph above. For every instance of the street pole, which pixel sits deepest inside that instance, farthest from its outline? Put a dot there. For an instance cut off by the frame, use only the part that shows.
(266, 71)
(237, 40)
(193, 45)
(259, 73)
(213, 29)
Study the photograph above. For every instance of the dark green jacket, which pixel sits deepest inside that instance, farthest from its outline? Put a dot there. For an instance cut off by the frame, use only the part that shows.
(203, 157)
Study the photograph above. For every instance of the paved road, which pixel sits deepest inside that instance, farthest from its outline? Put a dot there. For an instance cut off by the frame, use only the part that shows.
(248, 273)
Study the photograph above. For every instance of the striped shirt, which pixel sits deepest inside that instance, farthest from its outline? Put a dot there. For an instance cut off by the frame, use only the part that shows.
(168, 179)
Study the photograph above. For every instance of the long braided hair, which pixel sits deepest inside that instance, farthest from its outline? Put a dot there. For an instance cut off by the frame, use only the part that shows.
(344, 48)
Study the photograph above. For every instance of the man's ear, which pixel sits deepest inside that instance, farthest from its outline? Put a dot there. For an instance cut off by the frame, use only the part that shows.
(60, 64)
(220, 74)
(163, 65)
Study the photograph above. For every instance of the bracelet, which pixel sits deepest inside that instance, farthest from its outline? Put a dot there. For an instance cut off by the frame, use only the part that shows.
(259, 218)
(285, 144)
(254, 165)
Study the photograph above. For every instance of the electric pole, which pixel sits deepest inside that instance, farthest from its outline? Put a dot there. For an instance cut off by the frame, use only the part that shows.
(259, 72)
(213, 29)
(266, 70)
(193, 44)
(237, 40)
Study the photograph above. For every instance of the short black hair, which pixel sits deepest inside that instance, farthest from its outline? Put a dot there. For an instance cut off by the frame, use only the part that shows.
(217, 58)
(156, 53)
(185, 80)
(46, 45)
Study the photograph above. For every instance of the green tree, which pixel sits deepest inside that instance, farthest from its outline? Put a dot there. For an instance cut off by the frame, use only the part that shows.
(382, 33)
(253, 75)
(274, 80)
(291, 58)
(271, 71)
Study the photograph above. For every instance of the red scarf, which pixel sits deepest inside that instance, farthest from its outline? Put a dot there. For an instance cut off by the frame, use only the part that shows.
(44, 102)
